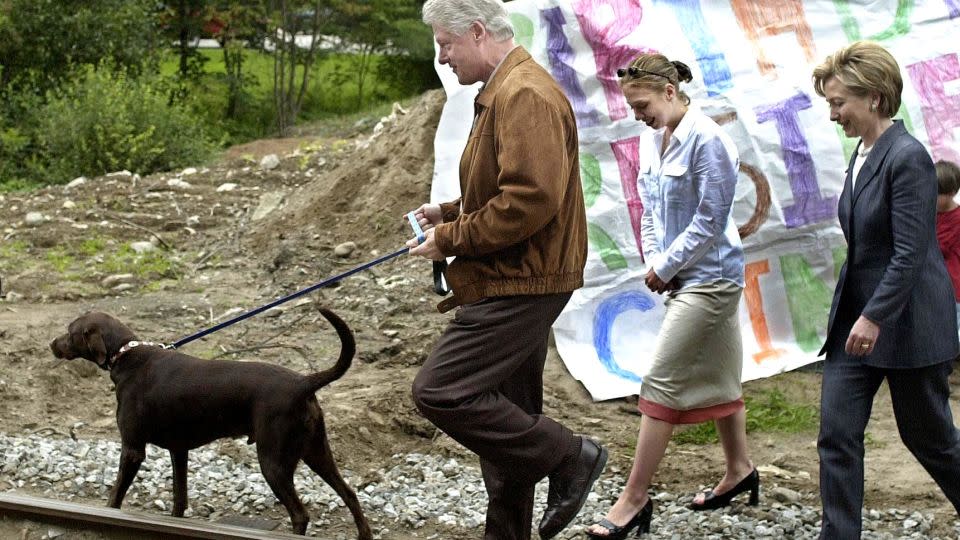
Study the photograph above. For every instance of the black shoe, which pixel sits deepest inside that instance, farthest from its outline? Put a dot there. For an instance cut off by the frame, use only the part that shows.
(640, 521)
(570, 484)
(712, 500)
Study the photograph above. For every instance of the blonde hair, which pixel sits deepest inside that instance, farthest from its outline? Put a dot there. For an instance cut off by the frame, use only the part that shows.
(864, 67)
(655, 71)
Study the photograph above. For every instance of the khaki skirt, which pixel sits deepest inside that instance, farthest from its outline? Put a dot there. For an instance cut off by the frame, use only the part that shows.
(698, 358)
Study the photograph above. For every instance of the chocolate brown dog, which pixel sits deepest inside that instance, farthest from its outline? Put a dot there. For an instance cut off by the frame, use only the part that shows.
(179, 402)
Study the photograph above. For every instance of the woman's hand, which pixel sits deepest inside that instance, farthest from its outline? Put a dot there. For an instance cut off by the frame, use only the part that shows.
(655, 284)
(863, 337)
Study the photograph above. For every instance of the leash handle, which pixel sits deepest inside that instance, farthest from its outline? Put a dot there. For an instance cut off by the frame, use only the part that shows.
(439, 267)
(417, 231)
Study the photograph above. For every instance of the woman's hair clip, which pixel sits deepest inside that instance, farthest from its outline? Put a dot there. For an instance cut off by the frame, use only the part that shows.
(635, 72)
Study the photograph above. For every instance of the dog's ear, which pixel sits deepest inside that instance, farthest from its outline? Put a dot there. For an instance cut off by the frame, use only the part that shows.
(94, 342)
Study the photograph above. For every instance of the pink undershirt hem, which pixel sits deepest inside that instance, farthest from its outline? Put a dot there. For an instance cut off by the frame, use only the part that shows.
(691, 416)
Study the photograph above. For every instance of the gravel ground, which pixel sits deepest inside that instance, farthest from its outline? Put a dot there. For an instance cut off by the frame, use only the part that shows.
(418, 490)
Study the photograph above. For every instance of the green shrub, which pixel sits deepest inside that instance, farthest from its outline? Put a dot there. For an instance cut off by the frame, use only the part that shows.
(108, 121)
(17, 140)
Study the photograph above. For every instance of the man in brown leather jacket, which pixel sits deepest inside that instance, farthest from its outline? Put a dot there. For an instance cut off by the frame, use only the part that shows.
(519, 236)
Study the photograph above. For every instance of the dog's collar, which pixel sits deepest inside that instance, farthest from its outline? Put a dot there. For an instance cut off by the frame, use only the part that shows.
(126, 348)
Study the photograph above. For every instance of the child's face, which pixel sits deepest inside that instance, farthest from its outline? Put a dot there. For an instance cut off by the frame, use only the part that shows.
(946, 202)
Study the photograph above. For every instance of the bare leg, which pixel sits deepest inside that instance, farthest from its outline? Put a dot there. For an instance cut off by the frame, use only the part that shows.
(652, 441)
(733, 439)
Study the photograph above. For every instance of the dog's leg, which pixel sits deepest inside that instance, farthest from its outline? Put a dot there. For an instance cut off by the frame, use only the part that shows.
(179, 460)
(130, 460)
(277, 468)
(320, 459)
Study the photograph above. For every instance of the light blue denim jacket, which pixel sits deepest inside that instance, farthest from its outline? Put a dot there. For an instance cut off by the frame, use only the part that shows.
(687, 227)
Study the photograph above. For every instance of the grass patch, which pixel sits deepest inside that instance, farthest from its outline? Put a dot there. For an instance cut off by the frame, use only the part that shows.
(92, 246)
(59, 259)
(768, 412)
(11, 249)
(332, 92)
(153, 264)
(18, 185)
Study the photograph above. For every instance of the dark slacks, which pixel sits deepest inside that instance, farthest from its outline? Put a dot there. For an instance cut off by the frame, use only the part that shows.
(921, 407)
(483, 386)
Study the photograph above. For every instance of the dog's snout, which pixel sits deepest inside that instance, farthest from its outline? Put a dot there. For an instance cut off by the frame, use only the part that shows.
(57, 346)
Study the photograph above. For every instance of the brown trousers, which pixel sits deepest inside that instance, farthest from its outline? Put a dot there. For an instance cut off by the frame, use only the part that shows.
(483, 386)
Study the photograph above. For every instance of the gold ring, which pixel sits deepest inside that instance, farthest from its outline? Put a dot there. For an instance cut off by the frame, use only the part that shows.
(864, 345)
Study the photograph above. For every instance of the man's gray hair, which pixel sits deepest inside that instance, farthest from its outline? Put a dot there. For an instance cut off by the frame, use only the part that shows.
(456, 16)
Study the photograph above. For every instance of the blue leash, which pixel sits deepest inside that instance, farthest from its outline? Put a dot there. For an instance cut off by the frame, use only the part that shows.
(417, 231)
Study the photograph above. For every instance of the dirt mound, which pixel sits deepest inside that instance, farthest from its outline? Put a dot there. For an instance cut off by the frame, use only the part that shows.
(362, 195)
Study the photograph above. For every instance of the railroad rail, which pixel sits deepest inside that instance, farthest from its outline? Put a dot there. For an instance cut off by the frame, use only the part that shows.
(125, 523)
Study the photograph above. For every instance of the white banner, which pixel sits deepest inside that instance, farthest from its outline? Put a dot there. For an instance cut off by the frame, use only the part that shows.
(752, 63)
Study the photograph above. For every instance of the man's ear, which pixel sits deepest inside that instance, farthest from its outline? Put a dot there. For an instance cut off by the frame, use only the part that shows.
(94, 342)
(477, 30)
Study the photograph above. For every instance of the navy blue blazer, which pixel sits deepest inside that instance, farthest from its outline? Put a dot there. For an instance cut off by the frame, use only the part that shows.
(894, 273)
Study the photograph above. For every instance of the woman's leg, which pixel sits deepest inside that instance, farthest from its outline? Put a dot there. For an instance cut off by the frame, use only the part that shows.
(652, 440)
(733, 439)
(846, 398)
(921, 404)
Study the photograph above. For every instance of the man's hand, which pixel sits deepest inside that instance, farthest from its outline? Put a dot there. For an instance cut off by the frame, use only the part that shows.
(428, 216)
(428, 249)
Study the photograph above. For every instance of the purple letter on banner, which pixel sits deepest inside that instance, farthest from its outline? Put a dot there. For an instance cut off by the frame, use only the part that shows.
(561, 57)
(627, 151)
(603, 40)
(808, 205)
(941, 111)
(953, 6)
(716, 73)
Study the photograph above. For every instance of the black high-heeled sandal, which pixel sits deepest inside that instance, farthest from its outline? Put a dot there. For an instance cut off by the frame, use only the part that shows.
(712, 500)
(640, 521)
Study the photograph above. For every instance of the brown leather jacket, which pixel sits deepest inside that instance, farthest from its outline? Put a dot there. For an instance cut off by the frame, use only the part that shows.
(519, 227)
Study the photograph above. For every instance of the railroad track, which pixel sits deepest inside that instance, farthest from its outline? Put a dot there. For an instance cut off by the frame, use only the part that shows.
(124, 523)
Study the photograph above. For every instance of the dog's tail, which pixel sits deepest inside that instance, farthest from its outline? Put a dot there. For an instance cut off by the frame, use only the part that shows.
(348, 347)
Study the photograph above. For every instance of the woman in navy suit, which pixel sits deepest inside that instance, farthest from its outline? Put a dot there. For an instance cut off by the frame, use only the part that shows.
(893, 315)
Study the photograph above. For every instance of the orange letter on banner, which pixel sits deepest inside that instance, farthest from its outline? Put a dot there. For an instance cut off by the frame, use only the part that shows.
(769, 18)
(755, 308)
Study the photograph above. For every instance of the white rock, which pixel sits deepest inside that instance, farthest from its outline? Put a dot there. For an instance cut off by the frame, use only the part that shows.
(119, 173)
(78, 181)
(230, 312)
(116, 279)
(229, 186)
(344, 249)
(193, 220)
(34, 218)
(268, 203)
(177, 183)
(142, 247)
(269, 162)
(14, 296)
(69, 205)
(188, 171)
